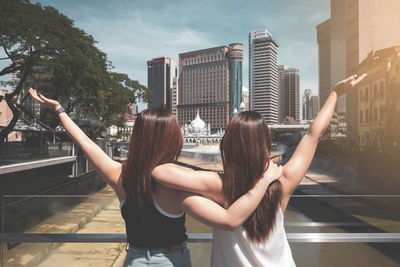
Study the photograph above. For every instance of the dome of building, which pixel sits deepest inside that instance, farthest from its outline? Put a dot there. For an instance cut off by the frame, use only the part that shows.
(198, 125)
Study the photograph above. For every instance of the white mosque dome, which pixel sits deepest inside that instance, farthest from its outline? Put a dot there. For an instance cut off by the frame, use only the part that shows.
(198, 125)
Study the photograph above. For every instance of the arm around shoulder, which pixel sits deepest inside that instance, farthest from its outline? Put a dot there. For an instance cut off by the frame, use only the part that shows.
(181, 178)
(212, 214)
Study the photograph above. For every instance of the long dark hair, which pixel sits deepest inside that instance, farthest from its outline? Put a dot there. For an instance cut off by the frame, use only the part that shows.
(156, 139)
(245, 150)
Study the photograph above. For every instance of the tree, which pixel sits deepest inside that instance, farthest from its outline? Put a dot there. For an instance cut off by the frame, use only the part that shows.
(111, 106)
(40, 39)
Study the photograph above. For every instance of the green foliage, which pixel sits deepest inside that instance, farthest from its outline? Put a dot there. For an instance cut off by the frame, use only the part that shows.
(113, 102)
(41, 39)
(274, 134)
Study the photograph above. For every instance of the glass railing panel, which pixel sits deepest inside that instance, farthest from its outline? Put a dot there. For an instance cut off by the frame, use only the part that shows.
(343, 213)
(113, 254)
(345, 254)
(19, 152)
(100, 214)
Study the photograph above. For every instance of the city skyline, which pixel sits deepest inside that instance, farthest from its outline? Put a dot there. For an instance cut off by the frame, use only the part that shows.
(132, 33)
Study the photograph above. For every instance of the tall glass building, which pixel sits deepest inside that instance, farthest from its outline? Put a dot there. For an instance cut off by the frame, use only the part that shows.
(235, 78)
(161, 80)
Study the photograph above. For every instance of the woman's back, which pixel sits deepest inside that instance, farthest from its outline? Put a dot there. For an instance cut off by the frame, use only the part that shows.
(161, 226)
(235, 249)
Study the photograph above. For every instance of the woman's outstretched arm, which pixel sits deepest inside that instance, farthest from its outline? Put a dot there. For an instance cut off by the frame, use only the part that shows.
(206, 183)
(109, 169)
(294, 170)
(212, 214)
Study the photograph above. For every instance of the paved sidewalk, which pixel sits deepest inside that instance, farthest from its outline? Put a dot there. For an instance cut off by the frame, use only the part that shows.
(64, 222)
(108, 220)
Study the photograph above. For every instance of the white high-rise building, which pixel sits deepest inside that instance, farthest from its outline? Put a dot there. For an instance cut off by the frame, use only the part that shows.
(263, 75)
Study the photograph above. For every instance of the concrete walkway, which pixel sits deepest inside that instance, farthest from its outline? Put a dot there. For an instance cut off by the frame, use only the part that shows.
(108, 220)
(64, 222)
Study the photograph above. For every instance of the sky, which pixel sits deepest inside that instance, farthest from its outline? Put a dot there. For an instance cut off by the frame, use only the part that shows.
(132, 32)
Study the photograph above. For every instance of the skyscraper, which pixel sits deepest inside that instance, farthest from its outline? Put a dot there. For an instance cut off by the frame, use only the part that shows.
(161, 74)
(235, 55)
(289, 93)
(263, 75)
(310, 105)
(358, 27)
(324, 60)
(314, 106)
(210, 80)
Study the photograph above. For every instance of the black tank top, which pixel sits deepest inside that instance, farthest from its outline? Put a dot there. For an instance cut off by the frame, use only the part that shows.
(155, 231)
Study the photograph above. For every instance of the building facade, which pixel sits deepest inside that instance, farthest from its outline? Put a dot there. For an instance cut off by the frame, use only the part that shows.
(358, 27)
(324, 60)
(314, 106)
(263, 75)
(245, 99)
(235, 55)
(379, 100)
(6, 116)
(289, 93)
(161, 80)
(310, 105)
(210, 81)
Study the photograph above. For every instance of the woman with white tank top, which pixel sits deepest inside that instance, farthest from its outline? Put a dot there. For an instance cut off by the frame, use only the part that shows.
(245, 147)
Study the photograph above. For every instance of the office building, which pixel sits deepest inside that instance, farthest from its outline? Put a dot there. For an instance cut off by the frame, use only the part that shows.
(161, 74)
(310, 105)
(379, 100)
(358, 27)
(289, 93)
(210, 82)
(263, 75)
(324, 60)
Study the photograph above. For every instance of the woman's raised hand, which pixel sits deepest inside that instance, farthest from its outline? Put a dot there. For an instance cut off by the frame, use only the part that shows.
(44, 101)
(348, 84)
(273, 172)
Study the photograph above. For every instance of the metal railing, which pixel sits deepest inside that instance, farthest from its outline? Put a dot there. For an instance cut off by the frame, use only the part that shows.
(202, 238)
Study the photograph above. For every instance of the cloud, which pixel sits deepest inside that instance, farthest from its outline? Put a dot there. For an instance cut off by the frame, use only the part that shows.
(132, 32)
(188, 37)
(131, 43)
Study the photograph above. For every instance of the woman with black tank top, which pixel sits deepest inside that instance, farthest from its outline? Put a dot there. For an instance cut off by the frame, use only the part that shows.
(155, 214)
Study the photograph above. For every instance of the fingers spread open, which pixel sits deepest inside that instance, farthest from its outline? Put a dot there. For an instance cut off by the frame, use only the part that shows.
(35, 95)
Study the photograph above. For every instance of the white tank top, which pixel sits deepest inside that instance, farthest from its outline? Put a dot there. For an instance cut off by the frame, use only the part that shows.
(234, 249)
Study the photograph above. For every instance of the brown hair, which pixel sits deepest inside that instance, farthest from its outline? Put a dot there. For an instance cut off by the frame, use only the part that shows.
(156, 139)
(245, 150)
